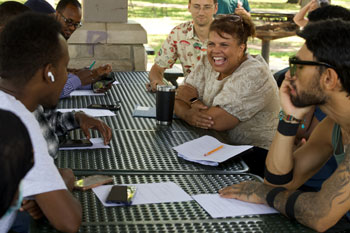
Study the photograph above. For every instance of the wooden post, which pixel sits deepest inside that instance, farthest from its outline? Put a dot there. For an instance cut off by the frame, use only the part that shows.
(265, 50)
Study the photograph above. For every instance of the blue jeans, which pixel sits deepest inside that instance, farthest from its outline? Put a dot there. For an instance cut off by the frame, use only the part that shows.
(22, 222)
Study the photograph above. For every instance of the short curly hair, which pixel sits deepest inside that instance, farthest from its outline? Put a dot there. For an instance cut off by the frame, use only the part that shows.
(241, 30)
(329, 41)
(28, 43)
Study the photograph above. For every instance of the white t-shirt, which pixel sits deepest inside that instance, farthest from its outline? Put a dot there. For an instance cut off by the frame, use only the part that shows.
(7, 221)
(44, 176)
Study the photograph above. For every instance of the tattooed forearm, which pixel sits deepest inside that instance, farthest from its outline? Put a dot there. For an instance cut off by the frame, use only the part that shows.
(312, 208)
(254, 188)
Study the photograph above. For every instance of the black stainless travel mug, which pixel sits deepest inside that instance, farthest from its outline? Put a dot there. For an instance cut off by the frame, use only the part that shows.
(165, 104)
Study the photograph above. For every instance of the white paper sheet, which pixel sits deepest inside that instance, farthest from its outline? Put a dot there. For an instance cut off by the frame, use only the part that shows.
(143, 111)
(90, 111)
(218, 207)
(194, 150)
(96, 144)
(147, 193)
(116, 82)
(85, 93)
(203, 162)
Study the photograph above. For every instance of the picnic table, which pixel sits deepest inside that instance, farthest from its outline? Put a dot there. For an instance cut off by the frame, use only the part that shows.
(272, 26)
(141, 152)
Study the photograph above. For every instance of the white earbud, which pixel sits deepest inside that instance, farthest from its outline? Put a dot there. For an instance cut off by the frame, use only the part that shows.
(51, 76)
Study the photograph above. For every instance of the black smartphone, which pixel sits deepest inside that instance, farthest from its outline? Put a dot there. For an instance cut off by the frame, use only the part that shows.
(75, 143)
(121, 194)
(112, 107)
(92, 182)
(103, 84)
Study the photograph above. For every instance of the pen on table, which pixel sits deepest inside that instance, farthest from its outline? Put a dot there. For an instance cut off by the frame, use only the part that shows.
(212, 151)
(92, 65)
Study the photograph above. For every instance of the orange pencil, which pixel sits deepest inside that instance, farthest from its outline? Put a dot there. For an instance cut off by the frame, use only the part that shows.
(212, 151)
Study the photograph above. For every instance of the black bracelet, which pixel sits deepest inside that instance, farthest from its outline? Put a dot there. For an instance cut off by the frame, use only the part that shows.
(270, 197)
(287, 129)
(278, 179)
(290, 204)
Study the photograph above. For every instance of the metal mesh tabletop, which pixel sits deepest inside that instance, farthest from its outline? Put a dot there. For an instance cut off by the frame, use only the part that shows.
(130, 92)
(143, 150)
(138, 143)
(174, 217)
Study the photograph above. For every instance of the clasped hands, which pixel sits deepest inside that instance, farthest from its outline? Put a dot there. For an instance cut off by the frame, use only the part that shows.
(197, 114)
(198, 117)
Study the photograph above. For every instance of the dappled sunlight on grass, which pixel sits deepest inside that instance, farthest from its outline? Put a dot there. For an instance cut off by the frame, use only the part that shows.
(158, 12)
(273, 6)
(181, 2)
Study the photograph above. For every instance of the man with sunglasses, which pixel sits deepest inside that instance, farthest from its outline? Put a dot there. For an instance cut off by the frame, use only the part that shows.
(319, 75)
(186, 42)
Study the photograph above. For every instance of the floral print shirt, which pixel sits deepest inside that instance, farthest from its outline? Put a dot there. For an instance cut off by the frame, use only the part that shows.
(182, 43)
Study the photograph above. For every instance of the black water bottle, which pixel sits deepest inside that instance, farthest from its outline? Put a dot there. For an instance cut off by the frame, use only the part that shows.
(165, 104)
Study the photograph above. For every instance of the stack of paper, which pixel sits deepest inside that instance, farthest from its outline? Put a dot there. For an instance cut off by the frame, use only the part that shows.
(89, 111)
(219, 207)
(85, 93)
(208, 150)
(97, 143)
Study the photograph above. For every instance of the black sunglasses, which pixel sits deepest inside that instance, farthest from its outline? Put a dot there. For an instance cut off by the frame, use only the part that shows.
(294, 61)
(230, 17)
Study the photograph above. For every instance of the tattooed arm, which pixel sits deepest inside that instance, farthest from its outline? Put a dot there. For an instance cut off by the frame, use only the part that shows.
(305, 161)
(317, 210)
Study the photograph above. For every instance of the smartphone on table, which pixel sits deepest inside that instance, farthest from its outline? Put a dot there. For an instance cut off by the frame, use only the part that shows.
(104, 84)
(92, 182)
(112, 107)
(121, 194)
(66, 143)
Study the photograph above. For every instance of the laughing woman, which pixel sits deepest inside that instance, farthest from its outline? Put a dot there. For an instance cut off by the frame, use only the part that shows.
(230, 90)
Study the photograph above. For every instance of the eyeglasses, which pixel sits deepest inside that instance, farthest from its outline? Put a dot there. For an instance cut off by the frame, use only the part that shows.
(231, 17)
(70, 22)
(294, 61)
(205, 8)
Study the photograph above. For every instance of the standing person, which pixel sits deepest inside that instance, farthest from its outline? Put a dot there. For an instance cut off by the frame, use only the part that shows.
(33, 42)
(16, 159)
(318, 75)
(233, 7)
(186, 42)
(68, 14)
(229, 90)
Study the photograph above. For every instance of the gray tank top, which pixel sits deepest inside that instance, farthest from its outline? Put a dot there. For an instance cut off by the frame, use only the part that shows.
(337, 143)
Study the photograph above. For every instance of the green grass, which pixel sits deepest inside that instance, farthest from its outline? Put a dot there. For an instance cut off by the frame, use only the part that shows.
(21, 1)
(279, 49)
(180, 2)
(158, 12)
